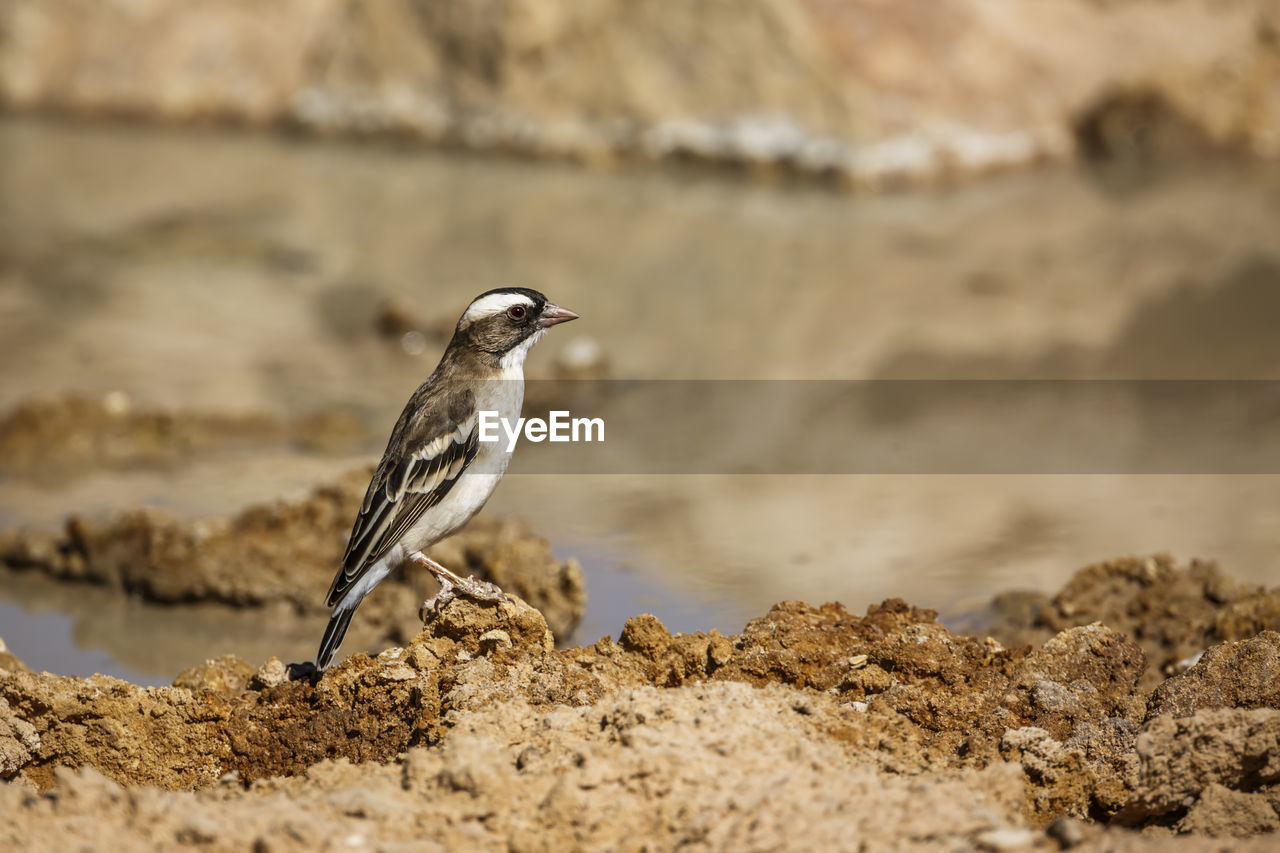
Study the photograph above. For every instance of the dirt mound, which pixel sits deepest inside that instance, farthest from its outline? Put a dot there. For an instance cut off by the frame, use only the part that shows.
(813, 727)
(1173, 612)
(711, 766)
(1244, 674)
(894, 686)
(1217, 772)
(285, 552)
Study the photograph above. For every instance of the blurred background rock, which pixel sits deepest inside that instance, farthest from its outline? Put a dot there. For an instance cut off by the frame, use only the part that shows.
(860, 91)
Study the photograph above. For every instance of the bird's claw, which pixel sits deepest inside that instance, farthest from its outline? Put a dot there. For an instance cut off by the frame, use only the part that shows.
(472, 587)
(440, 599)
(480, 590)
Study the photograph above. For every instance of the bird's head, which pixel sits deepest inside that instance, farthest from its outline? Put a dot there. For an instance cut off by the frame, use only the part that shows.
(504, 323)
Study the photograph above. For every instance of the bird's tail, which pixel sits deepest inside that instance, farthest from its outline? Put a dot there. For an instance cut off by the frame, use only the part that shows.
(333, 635)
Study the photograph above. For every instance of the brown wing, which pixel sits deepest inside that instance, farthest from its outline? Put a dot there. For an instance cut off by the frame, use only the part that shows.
(415, 475)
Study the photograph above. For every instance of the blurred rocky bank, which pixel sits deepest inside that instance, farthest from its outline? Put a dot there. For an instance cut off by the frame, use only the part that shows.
(862, 92)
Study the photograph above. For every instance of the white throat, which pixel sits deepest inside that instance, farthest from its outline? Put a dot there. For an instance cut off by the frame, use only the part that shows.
(512, 364)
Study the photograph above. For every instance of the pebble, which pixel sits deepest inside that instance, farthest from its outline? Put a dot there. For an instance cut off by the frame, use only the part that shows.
(1006, 838)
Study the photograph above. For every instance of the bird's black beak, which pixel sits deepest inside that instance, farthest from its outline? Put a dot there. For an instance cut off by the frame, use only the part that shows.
(553, 315)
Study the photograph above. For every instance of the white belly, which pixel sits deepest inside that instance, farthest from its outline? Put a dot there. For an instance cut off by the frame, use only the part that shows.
(504, 396)
(464, 500)
(477, 482)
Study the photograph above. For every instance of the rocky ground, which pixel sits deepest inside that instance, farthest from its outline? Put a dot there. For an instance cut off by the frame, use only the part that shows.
(812, 729)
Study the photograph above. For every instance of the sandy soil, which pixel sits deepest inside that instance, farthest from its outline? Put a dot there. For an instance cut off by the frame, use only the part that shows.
(813, 728)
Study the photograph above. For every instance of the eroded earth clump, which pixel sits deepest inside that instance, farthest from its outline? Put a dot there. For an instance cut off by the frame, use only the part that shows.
(1174, 612)
(283, 552)
(813, 728)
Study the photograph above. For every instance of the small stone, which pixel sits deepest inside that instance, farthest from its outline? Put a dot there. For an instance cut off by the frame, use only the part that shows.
(398, 672)
(645, 634)
(227, 676)
(1067, 831)
(1006, 838)
(273, 673)
(420, 658)
(719, 650)
(491, 641)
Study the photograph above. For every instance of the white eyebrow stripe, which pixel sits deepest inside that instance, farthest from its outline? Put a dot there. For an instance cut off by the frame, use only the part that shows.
(494, 303)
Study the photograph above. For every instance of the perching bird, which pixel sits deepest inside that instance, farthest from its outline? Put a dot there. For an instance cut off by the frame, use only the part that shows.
(435, 473)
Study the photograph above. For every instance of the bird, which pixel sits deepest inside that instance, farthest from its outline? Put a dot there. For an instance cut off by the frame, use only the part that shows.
(436, 473)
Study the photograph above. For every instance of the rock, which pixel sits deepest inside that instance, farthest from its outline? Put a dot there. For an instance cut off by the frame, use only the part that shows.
(228, 676)
(1107, 749)
(645, 634)
(273, 673)
(1068, 832)
(507, 552)
(279, 554)
(1221, 812)
(9, 661)
(18, 741)
(1059, 783)
(860, 91)
(472, 625)
(1244, 674)
(1006, 838)
(1182, 759)
(1175, 612)
(1083, 674)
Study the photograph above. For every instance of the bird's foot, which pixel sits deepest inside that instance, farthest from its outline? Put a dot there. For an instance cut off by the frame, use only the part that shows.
(451, 586)
(480, 590)
(471, 588)
(440, 599)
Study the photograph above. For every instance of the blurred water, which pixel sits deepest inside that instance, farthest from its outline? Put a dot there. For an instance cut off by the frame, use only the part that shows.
(238, 272)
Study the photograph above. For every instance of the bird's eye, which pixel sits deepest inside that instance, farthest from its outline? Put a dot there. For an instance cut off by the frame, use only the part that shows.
(516, 312)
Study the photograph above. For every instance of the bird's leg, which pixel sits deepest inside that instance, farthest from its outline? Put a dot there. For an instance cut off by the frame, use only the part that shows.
(451, 585)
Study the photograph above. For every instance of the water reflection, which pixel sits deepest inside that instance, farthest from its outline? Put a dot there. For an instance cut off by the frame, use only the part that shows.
(246, 273)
